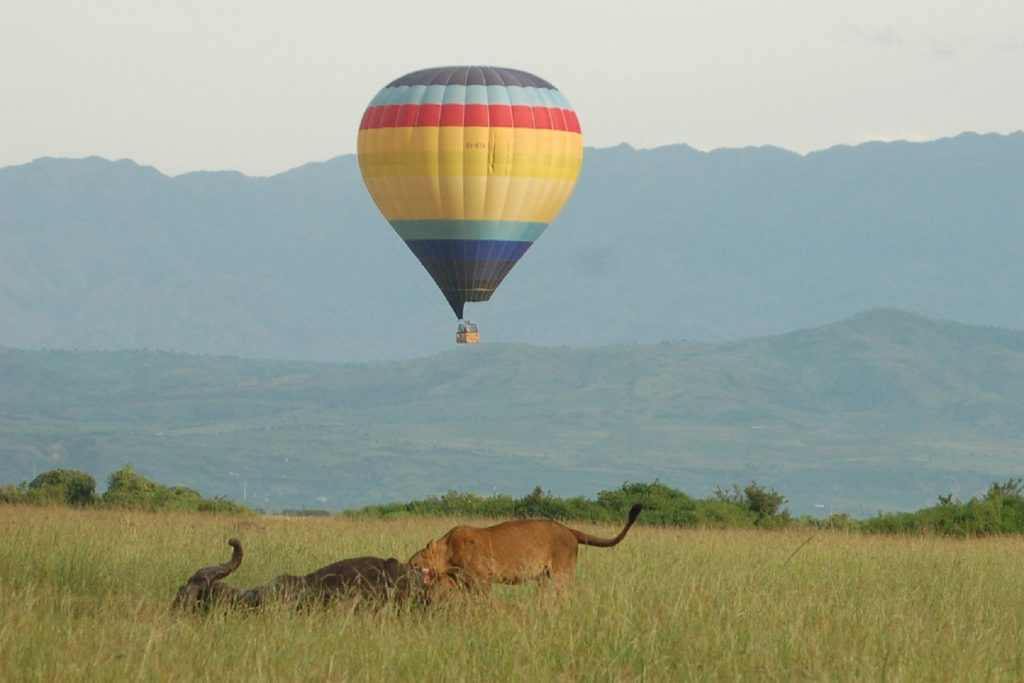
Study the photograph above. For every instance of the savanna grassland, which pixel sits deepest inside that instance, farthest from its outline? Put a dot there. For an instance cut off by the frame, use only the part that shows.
(85, 595)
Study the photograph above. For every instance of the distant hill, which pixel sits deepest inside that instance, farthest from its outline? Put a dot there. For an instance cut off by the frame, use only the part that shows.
(884, 410)
(660, 244)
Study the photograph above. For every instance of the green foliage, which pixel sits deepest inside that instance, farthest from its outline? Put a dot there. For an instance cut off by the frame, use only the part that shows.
(763, 503)
(999, 511)
(11, 494)
(62, 487)
(663, 505)
(126, 489)
(220, 504)
(541, 504)
(451, 503)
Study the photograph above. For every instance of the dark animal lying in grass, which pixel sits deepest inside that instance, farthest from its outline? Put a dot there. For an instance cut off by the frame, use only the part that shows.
(358, 579)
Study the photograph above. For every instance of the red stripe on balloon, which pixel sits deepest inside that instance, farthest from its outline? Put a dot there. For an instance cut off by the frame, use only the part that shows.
(407, 115)
(477, 115)
(389, 116)
(494, 115)
(522, 116)
(557, 119)
(541, 117)
(501, 116)
(429, 115)
(372, 117)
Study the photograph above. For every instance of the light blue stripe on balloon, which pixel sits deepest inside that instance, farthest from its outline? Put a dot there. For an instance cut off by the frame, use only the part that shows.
(561, 101)
(434, 94)
(550, 100)
(498, 94)
(476, 94)
(505, 231)
(525, 96)
(473, 94)
(454, 94)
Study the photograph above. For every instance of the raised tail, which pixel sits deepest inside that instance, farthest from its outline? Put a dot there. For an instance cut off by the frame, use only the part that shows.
(587, 539)
(202, 589)
(207, 575)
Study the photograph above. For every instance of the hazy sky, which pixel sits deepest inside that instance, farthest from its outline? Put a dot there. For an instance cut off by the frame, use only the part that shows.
(262, 87)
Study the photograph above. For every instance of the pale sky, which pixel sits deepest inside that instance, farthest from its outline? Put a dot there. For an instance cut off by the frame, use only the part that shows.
(263, 86)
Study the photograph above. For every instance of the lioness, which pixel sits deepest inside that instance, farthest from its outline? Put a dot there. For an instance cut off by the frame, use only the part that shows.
(510, 552)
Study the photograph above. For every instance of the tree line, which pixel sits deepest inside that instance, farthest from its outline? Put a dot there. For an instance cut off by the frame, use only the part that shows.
(126, 489)
(999, 511)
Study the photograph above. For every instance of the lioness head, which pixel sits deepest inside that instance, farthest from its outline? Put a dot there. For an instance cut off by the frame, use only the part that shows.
(431, 564)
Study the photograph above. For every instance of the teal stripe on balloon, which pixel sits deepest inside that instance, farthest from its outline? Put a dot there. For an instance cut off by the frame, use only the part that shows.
(498, 94)
(473, 94)
(504, 231)
(454, 94)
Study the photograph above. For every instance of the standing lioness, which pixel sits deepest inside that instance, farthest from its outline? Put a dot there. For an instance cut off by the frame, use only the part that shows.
(510, 552)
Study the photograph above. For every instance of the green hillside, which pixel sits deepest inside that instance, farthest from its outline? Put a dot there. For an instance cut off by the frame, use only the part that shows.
(885, 410)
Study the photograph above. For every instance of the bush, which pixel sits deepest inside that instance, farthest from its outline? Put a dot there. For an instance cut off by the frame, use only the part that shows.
(130, 490)
(219, 504)
(999, 511)
(11, 494)
(538, 504)
(662, 505)
(62, 487)
(763, 503)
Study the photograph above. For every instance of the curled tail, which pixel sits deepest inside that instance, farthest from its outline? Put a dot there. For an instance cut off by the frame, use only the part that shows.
(208, 575)
(202, 589)
(587, 539)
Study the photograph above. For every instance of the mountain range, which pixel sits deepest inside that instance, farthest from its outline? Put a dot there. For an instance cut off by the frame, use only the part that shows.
(885, 410)
(661, 244)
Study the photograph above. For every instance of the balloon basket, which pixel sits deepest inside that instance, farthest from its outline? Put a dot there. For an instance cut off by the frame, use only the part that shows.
(467, 333)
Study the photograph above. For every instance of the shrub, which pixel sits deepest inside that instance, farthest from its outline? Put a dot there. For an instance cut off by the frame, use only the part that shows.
(999, 511)
(62, 487)
(763, 503)
(128, 489)
(220, 504)
(540, 504)
(11, 494)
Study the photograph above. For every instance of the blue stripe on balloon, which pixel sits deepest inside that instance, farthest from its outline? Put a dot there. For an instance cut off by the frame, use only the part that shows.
(467, 250)
(503, 231)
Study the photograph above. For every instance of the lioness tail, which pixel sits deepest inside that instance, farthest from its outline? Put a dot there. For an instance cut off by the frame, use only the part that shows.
(587, 539)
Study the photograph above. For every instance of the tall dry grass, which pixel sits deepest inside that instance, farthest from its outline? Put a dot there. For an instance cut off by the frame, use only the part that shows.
(84, 595)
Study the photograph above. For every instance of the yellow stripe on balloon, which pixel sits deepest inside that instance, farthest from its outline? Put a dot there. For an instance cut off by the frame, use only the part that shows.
(470, 173)
(452, 150)
(492, 198)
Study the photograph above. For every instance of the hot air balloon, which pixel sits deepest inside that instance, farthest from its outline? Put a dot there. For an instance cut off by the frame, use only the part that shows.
(469, 165)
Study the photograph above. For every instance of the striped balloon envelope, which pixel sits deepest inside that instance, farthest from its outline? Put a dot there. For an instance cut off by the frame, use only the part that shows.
(469, 164)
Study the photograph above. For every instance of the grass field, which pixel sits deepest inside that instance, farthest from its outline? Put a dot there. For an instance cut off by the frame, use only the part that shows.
(84, 595)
